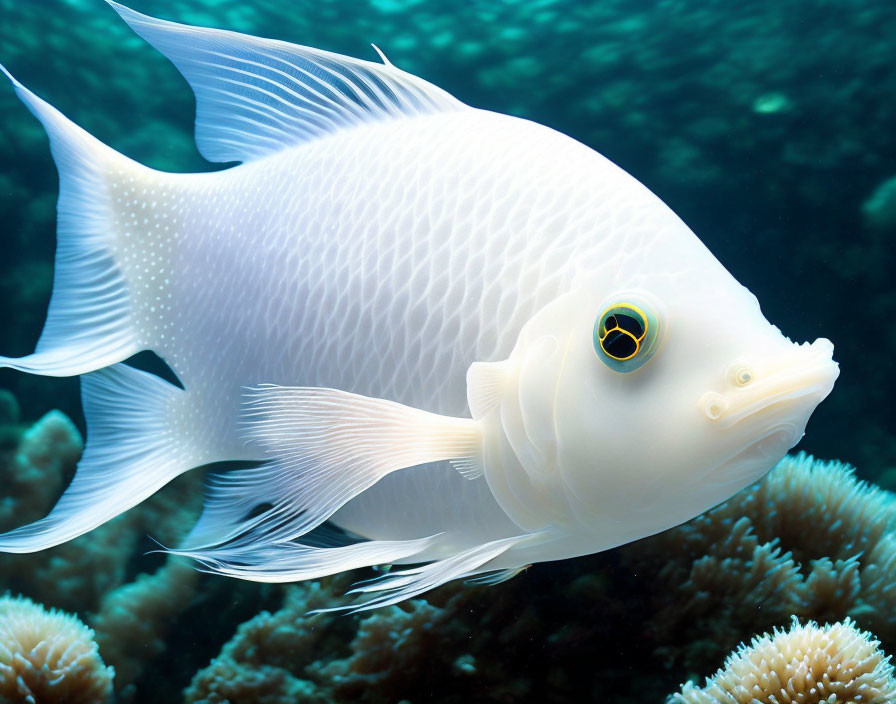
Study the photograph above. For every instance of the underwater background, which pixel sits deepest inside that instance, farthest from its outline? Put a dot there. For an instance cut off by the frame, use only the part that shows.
(768, 126)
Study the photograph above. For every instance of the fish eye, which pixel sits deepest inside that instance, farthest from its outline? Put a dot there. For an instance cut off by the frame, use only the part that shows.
(626, 336)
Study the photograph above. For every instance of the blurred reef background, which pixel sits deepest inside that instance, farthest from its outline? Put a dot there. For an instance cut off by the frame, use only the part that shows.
(769, 126)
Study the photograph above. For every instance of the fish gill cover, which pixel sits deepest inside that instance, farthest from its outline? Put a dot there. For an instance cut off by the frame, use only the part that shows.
(766, 126)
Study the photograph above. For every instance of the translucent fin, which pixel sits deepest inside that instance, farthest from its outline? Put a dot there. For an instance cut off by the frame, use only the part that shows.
(89, 324)
(293, 562)
(258, 96)
(328, 446)
(134, 448)
(468, 467)
(485, 384)
(404, 584)
(490, 579)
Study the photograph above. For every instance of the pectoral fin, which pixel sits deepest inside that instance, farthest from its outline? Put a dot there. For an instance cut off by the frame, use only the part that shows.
(326, 447)
(486, 382)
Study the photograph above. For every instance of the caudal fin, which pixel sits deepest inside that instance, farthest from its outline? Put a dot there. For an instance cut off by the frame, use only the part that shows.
(89, 323)
(136, 443)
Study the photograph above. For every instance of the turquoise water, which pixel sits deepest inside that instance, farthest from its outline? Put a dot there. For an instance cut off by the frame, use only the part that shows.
(767, 126)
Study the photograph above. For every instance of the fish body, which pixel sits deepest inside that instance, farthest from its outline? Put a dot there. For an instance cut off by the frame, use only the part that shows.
(384, 264)
(387, 264)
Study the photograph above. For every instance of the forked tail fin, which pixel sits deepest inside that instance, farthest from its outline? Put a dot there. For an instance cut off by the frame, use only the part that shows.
(89, 323)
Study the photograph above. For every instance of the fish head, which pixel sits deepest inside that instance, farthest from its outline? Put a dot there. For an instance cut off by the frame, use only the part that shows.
(651, 403)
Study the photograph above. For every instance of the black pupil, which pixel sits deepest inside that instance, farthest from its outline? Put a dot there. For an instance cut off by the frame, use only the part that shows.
(619, 345)
(628, 323)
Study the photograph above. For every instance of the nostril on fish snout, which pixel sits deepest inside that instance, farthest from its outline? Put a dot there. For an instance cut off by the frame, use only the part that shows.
(713, 405)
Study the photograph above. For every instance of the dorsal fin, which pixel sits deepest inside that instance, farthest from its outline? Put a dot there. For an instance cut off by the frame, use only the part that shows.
(255, 97)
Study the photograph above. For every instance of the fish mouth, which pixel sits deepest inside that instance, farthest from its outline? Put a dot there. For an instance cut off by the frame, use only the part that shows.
(804, 380)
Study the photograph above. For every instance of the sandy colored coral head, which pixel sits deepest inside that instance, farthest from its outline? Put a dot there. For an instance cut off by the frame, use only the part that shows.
(49, 656)
(810, 664)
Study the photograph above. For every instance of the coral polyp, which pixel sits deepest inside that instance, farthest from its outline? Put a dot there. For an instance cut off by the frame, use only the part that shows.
(809, 664)
(48, 656)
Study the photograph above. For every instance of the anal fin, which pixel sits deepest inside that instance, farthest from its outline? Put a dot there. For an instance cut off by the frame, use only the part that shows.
(405, 584)
(295, 561)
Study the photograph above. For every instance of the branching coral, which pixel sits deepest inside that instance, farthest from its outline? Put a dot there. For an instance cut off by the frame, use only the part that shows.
(91, 573)
(262, 663)
(811, 664)
(134, 618)
(49, 656)
(390, 654)
(810, 539)
(34, 468)
(462, 643)
(817, 509)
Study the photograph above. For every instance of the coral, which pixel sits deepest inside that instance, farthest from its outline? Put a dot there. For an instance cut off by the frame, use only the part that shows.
(463, 643)
(49, 656)
(133, 619)
(260, 664)
(876, 605)
(385, 655)
(33, 471)
(832, 664)
(753, 135)
(34, 467)
(816, 508)
(387, 642)
(810, 539)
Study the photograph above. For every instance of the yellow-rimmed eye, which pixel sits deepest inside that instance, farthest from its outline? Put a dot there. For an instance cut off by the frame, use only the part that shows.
(625, 336)
(622, 331)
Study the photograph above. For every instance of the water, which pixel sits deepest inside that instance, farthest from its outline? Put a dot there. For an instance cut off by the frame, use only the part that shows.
(767, 128)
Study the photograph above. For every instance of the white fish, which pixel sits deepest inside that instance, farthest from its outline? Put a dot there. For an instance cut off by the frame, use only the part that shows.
(463, 338)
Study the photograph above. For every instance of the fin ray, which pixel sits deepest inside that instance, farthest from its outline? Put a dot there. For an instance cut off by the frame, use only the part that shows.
(89, 323)
(405, 584)
(292, 562)
(258, 96)
(132, 451)
(327, 447)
